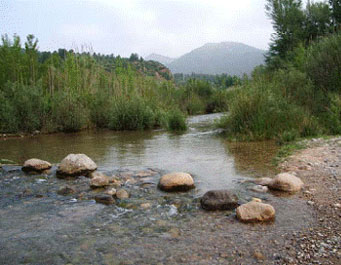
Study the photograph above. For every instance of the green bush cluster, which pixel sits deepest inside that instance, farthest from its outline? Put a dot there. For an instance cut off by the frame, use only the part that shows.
(292, 101)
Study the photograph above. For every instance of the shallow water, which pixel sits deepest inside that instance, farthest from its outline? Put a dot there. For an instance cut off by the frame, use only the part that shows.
(202, 151)
(39, 226)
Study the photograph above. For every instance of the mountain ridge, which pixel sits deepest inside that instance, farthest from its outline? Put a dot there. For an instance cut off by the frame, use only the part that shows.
(233, 58)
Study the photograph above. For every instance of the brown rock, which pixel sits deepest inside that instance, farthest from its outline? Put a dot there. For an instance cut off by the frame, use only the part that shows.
(36, 165)
(177, 181)
(76, 165)
(111, 191)
(105, 199)
(263, 181)
(219, 200)
(255, 212)
(286, 182)
(122, 194)
(145, 205)
(67, 190)
(99, 180)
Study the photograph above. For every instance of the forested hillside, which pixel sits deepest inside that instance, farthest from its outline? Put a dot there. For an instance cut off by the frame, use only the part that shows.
(69, 91)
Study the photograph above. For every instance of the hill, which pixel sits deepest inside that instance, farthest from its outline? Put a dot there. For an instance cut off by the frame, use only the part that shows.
(232, 58)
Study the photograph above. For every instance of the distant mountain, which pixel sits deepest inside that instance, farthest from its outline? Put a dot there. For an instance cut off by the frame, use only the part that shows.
(159, 58)
(232, 58)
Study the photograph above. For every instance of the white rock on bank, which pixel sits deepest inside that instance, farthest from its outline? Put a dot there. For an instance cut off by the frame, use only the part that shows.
(286, 182)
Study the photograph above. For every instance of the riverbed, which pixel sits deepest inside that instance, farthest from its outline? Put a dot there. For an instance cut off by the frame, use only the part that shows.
(39, 226)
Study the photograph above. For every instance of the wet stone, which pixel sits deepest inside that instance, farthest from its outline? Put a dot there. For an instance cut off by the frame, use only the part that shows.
(67, 190)
(122, 194)
(219, 200)
(36, 165)
(104, 199)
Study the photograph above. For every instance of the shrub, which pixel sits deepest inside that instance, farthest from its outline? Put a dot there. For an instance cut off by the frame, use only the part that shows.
(130, 114)
(176, 121)
(323, 63)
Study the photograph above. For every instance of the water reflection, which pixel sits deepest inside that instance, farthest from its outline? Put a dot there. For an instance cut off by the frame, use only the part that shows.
(215, 162)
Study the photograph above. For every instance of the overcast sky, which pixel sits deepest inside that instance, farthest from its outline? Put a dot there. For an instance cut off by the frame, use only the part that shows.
(167, 27)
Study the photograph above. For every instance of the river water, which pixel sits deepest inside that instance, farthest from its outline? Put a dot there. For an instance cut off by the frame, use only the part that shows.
(201, 151)
(40, 226)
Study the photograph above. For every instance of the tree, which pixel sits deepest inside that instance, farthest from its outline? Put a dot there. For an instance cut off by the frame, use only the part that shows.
(318, 20)
(336, 13)
(288, 20)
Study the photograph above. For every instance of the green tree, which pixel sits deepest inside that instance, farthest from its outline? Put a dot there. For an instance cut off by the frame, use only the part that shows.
(288, 20)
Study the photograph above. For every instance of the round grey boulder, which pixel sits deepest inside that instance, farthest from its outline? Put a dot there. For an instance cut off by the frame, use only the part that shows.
(219, 200)
(76, 165)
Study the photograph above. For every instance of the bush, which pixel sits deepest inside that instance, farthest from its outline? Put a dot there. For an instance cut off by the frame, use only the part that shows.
(257, 112)
(323, 64)
(176, 121)
(68, 112)
(130, 114)
(100, 109)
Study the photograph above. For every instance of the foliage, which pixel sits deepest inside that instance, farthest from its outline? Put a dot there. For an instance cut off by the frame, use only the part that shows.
(176, 121)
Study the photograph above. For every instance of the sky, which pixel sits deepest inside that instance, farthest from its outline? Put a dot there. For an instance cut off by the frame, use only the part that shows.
(167, 27)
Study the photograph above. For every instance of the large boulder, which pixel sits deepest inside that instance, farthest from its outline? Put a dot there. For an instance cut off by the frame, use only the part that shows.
(76, 165)
(36, 165)
(99, 180)
(219, 200)
(177, 181)
(286, 182)
(255, 212)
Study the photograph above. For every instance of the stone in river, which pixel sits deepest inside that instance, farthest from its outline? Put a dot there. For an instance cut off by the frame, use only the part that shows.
(177, 181)
(255, 212)
(105, 199)
(122, 194)
(99, 180)
(76, 165)
(36, 165)
(219, 200)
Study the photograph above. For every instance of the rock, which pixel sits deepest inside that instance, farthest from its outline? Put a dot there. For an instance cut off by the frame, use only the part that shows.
(111, 191)
(105, 199)
(67, 190)
(255, 212)
(36, 165)
(259, 188)
(145, 205)
(286, 182)
(258, 255)
(122, 194)
(219, 200)
(76, 165)
(177, 181)
(256, 200)
(263, 181)
(99, 180)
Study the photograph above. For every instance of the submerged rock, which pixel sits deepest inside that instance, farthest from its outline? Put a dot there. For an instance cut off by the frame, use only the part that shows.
(263, 181)
(111, 191)
(67, 190)
(259, 188)
(177, 181)
(99, 180)
(286, 182)
(122, 194)
(219, 200)
(105, 199)
(255, 212)
(76, 165)
(36, 165)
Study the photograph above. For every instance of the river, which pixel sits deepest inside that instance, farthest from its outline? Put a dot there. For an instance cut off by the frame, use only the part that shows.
(40, 226)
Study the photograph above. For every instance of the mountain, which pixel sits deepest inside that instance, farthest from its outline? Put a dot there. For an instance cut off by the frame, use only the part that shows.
(159, 58)
(232, 58)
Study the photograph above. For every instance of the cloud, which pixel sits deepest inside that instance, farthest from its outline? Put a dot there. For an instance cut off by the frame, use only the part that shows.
(169, 27)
